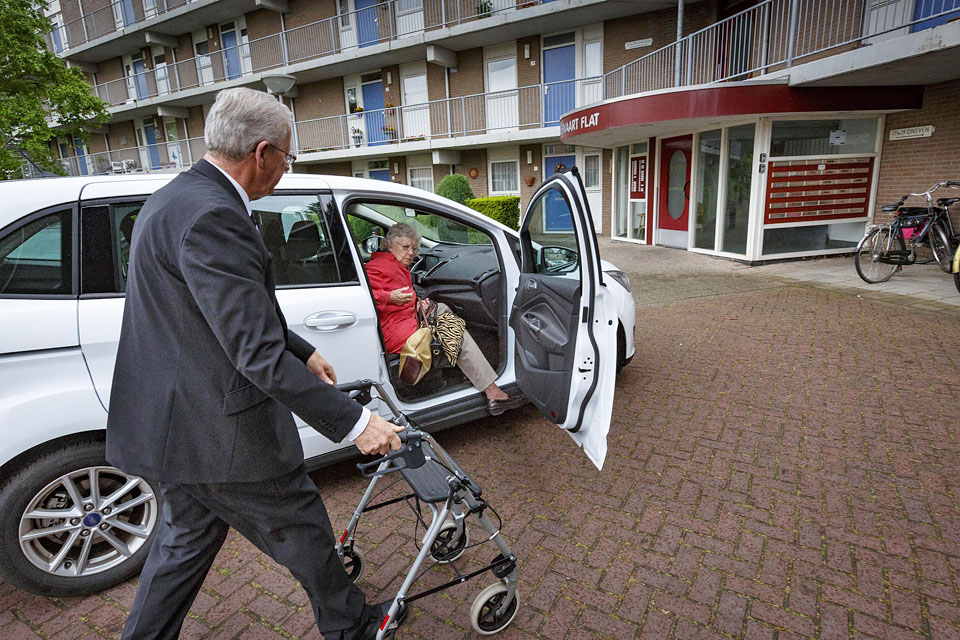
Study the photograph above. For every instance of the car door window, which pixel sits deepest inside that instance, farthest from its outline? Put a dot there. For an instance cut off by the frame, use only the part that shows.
(107, 230)
(36, 257)
(306, 249)
(552, 235)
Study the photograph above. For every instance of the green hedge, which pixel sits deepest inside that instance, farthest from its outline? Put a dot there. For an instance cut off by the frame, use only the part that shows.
(503, 209)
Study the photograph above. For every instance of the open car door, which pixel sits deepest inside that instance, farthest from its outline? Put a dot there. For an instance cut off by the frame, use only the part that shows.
(564, 318)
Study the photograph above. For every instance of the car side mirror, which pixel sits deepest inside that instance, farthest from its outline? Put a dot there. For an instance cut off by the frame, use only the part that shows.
(558, 259)
(371, 244)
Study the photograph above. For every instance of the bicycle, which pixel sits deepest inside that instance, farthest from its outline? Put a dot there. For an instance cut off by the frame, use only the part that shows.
(883, 250)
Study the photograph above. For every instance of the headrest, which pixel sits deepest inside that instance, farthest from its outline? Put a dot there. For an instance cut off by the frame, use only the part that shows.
(304, 240)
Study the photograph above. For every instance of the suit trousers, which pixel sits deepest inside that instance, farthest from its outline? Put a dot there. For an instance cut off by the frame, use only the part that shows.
(471, 360)
(283, 516)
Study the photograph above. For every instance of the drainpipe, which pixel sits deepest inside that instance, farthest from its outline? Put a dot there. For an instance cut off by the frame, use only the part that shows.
(792, 43)
(679, 47)
(446, 89)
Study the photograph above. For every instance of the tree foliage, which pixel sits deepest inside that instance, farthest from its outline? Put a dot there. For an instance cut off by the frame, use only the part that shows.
(40, 97)
(455, 187)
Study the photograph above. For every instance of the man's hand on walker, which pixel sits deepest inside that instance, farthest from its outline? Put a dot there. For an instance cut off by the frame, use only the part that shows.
(379, 437)
(321, 368)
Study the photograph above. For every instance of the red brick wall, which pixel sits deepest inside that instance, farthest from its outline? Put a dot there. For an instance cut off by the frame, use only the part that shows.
(915, 164)
(308, 11)
(468, 79)
(659, 25)
(328, 169)
(474, 159)
(320, 99)
(526, 171)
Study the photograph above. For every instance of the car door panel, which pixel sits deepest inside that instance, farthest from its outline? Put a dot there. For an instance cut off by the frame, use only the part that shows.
(564, 318)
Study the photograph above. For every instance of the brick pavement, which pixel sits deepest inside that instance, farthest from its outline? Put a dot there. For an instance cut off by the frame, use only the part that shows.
(783, 464)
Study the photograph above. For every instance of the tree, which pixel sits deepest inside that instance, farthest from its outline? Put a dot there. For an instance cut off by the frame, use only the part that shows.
(455, 187)
(40, 97)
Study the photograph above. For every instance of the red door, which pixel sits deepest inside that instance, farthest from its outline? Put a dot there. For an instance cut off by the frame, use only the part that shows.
(673, 217)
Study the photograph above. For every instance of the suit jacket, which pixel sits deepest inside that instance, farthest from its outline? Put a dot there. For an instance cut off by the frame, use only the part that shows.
(206, 373)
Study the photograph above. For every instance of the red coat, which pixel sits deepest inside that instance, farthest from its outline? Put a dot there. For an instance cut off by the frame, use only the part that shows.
(396, 322)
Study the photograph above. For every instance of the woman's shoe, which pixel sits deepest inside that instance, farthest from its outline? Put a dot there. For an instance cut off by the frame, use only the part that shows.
(496, 407)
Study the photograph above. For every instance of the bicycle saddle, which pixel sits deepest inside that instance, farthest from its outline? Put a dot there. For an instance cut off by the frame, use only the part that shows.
(947, 202)
(889, 207)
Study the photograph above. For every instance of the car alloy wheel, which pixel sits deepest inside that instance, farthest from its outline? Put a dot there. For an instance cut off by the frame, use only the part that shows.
(87, 521)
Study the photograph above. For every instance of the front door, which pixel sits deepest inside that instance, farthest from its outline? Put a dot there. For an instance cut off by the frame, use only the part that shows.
(564, 318)
(367, 22)
(231, 54)
(373, 119)
(416, 107)
(501, 99)
(673, 219)
(559, 71)
(81, 150)
(140, 79)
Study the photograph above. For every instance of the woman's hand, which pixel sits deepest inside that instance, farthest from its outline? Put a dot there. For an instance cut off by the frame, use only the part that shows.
(400, 297)
(423, 305)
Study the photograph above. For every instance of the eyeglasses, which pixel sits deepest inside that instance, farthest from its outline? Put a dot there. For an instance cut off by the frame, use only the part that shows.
(289, 157)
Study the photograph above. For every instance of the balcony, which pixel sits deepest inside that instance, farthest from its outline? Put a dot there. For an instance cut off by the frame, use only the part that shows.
(162, 157)
(775, 36)
(521, 113)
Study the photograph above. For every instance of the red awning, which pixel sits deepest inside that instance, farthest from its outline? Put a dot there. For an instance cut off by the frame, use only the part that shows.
(674, 111)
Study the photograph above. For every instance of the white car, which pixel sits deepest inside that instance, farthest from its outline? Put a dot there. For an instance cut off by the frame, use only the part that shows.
(552, 318)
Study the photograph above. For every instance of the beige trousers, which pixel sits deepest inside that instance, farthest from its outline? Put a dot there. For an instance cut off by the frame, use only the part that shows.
(472, 361)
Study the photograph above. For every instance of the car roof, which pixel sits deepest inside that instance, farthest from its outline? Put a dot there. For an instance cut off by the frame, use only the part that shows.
(21, 197)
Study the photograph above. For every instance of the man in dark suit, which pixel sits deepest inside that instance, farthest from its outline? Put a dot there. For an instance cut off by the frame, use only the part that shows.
(207, 376)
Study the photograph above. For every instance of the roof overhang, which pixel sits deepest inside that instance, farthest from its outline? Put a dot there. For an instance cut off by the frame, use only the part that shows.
(675, 111)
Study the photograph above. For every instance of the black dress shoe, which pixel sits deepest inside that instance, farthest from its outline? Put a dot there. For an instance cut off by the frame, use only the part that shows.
(496, 407)
(373, 615)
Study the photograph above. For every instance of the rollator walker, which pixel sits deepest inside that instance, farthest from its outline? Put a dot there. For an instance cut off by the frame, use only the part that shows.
(437, 480)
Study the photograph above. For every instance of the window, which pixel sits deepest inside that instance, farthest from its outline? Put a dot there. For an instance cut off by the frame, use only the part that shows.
(823, 137)
(593, 59)
(422, 178)
(504, 177)
(557, 40)
(364, 217)
(345, 14)
(296, 232)
(591, 173)
(36, 258)
(352, 99)
(406, 6)
(552, 233)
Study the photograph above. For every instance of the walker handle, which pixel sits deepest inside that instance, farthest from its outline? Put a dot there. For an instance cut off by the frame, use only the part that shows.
(409, 456)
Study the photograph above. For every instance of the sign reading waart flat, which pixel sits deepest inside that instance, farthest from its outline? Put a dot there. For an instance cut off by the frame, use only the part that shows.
(912, 132)
(578, 124)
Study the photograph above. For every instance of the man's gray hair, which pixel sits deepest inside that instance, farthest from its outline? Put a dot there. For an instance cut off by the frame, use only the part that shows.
(401, 230)
(241, 118)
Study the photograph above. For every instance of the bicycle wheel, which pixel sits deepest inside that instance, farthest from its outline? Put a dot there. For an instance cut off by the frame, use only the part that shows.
(940, 244)
(874, 246)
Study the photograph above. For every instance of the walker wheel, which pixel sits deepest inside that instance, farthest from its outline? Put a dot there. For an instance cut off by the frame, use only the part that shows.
(449, 546)
(483, 613)
(353, 563)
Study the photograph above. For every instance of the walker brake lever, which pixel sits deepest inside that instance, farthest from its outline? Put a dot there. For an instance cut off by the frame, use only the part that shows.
(409, 456)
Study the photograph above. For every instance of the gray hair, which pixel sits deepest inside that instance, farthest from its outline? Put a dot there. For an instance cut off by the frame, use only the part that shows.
(401, 230)
(241, 118)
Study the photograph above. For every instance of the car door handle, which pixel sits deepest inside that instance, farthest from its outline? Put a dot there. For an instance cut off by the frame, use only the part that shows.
(330, 320)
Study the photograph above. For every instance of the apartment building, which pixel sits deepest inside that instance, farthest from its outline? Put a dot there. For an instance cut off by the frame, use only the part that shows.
(737, 96)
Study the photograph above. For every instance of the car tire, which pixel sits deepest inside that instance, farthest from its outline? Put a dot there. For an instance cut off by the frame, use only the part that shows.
(621, 348)
(76, 541)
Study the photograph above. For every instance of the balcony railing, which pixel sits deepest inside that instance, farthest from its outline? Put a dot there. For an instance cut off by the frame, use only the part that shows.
(531, 107)
(161, 156)
(385, 21)
(772, 35)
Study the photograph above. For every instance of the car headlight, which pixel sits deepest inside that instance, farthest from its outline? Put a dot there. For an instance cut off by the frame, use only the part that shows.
(622, 278)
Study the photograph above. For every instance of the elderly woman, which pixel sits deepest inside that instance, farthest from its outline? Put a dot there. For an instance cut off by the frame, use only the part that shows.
(397, 304)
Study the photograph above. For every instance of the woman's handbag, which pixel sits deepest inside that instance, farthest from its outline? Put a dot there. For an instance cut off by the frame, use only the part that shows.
(416, 356)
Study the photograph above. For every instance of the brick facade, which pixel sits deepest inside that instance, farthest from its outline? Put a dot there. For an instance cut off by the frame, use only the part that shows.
(913, 165)
(320, 99)
(474, 159)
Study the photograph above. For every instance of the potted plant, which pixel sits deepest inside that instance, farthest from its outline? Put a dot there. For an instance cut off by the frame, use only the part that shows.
(391, 132)
(389, 108)
(357, 135)
(484, 8)
(356, 111)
